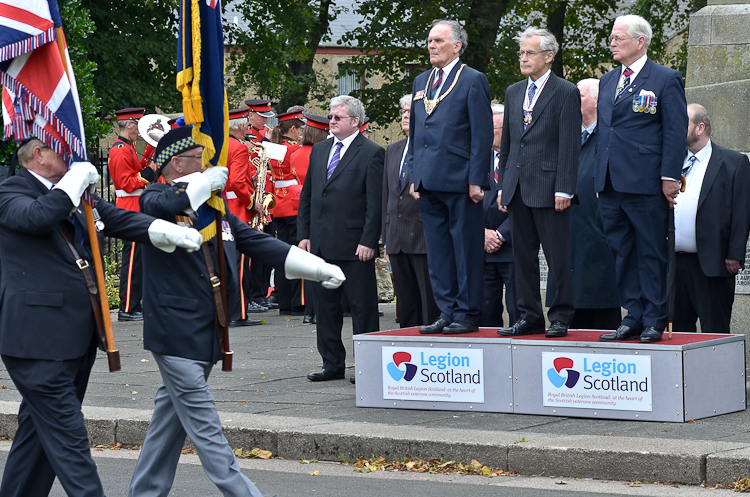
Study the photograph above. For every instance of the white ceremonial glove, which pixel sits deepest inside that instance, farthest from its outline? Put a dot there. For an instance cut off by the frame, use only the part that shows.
(217, 177)
(167, 236)
(302, 264)
(80, 176)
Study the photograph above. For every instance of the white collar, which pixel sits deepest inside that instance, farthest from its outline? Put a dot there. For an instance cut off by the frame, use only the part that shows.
(539, 82)
(703, 154)
(637, 65)
(449, 66)
(346, 141)
(47, 183)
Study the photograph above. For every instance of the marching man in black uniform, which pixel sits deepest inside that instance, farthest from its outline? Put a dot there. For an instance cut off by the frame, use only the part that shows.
(180, 319)
(48, 332)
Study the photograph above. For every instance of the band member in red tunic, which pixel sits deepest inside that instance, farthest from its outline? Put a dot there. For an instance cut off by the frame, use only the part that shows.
(315, 130)
(130, 177)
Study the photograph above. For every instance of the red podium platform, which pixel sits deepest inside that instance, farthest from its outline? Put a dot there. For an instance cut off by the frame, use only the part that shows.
(691, 376)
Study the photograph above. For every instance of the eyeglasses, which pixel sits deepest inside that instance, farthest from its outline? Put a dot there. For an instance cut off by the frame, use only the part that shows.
(331, 117)
(620, 39)
(497, 127)
(194, 156)
(404, 111)
(529, 54)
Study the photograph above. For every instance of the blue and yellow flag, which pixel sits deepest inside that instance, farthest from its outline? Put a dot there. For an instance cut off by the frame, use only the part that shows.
(200, 79)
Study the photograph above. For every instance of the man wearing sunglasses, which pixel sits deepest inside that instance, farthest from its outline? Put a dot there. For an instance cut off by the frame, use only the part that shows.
(339, 220)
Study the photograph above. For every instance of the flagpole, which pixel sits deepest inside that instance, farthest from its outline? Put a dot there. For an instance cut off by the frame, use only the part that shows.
(113, 355)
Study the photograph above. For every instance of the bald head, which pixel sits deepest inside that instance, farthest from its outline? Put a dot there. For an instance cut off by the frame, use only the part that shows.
(699, 127)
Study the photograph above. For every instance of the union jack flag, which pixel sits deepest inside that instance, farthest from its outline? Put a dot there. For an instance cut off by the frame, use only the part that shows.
(40, 96)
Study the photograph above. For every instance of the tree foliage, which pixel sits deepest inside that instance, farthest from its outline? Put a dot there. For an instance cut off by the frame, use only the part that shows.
(273, 51)
(134, 47)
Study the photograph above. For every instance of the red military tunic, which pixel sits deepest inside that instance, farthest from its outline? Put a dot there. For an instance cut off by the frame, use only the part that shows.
(287, 183)
(238, 190)
(128, 176)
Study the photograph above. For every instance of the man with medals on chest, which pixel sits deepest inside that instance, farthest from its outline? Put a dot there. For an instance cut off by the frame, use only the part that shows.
(130, 177)
(538, 172)
(642, 120)
(449, 176)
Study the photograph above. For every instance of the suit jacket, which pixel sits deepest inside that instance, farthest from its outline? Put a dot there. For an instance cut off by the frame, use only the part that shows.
(594, 280)
(637, 149)
(450, 148)
(543, 159)
(178, 302)
(45, 310)
(723, 219)
(495, 219)
(402, 217)
(344, 211)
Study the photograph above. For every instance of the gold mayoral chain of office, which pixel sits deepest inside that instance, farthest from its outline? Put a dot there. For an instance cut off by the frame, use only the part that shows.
(430, 104)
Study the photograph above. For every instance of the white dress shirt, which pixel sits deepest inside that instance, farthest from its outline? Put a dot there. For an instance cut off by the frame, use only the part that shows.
(446, 71)
(42, 179)
(344, 147)
(403, 158)
(686, 209)
(635, 67)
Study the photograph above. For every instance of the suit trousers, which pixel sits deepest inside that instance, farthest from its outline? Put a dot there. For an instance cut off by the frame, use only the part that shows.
(496, 276)
(51, 439)
(131, 278)
(636, 229)
(454, 234)
(361, 291)
(530, 227)
(415, 303)
(698, 296)
(288, 292)
(183, 405)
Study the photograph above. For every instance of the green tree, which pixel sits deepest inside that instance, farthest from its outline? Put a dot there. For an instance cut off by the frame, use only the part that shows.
(134, 47)
(274, 53)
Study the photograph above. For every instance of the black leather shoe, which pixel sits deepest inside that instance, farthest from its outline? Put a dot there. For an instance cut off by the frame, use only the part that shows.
(245, 322)
(255, 307)
(129, 316)
(325, 375)
(353, 380)
(522, 327)
(308, 320)
(271, 302)
(459, 328)
(434, 328)
(623, 333)
(650, 335)
(557, 329)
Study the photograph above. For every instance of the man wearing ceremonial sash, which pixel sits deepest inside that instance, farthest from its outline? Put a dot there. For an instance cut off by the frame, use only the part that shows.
(448, 166)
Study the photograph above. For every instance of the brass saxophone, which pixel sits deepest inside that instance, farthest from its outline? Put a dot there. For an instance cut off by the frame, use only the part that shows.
(262, 197)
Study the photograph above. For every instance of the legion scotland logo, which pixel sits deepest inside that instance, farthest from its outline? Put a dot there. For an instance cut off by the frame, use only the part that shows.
(563, 373)
(394, 368)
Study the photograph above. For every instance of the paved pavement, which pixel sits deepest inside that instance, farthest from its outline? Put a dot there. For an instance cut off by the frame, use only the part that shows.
(267, 402)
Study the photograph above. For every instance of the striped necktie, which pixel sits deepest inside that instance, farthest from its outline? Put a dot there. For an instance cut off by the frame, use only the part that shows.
(626, 82)
(436, 84)
(334, 160)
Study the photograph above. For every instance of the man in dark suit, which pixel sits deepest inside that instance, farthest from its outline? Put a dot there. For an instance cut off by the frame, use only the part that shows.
(180, 316)
(448, 165)
(594, 284)
(403, 236)
(712, 220)
(538, 172)
(339, 220)
(48, 330)
(499, 270)
(642, 122)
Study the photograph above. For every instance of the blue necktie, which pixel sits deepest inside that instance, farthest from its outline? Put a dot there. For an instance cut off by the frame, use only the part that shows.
(691, 163)
(436, 84)
(334, 160)
(584, 136)
(532, 91)
(527, 113)
(626, 82)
